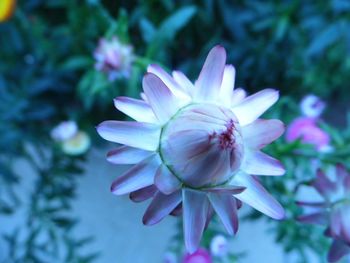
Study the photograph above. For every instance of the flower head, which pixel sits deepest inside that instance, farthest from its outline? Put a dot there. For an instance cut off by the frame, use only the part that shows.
(71, 140)
(200, 256)
(114, 58)
(219, 246)
(194, 146)
(334, 211)
(312, 106)
(307, 130)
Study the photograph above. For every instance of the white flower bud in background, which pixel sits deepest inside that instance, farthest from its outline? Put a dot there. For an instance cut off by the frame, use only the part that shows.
(219, 246)
(64, 131)
(312, 106)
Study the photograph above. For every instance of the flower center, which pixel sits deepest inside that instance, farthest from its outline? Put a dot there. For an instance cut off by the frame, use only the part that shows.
(202, 145)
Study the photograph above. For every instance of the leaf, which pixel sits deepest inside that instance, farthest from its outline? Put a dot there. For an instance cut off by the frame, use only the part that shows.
(323, 40)
(147, 29)
(169, 28)
(76, 63)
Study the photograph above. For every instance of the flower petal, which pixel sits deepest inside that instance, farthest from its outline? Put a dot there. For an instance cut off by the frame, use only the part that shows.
(139, 176)
(256, 196)
(338, 250)
(225, 189)
(262, 132)
(127, 155)
(161, 206)
(137, 109)
(207, 87)
(323, 184)
(259, 163)
(173, 85)
(227, 85)
(255, 105)
(226, 208)
(183, 81)
(161, 99)
(320, 218)
(135, 134)
(238, 95)
(166, 181)
(195, 210)
(143, 194)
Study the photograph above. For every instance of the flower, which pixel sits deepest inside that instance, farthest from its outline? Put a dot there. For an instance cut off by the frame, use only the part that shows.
(219, 246)
(71, 140)
(77, 145)
(7, 8)
(114, 58)
(64, 131)
(312, 106)
(195, 146)
(200, 256)
(306, 129)
(333, 211)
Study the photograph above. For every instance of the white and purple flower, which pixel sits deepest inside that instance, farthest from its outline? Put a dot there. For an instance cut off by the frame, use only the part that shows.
(333, 211)
(200, 256)
(194, 146)
(114, 58)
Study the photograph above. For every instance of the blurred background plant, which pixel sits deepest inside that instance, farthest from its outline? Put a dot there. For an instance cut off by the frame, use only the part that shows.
(67, 59)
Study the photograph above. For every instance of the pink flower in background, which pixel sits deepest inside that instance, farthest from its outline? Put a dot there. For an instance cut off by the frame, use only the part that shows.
(312, 106)
(200, 256)
(334, 211)
(195, 146)
(306, 129)
(114, 58)
(219, 246)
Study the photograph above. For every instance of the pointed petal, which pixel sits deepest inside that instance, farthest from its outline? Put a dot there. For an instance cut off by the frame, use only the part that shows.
(139, 176)
(177, 211)
(320, 218)
(207, 87)
(227, 85)
(256, 196)
(225, 189)
(166, 181)
(226, 208)
(161, 206)
(238, 95)
(262, 132)
(137, 109)
(174, 86)
(323, 184)
(143, 194)
(338, 250)
(161, 99)
(135, 134)
(255, 105)
(195, 211)
(259, 163)
(183, 81)
(127, 155)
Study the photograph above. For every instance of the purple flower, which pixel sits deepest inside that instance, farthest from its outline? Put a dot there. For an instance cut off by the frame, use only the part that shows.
(194, 146)
(200, 256)
(306, 129)
(334, 211)
(114, 58)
